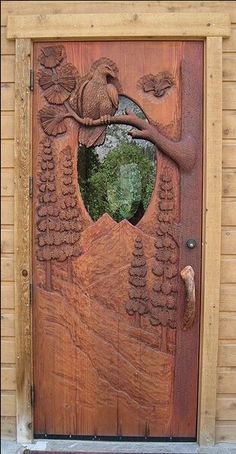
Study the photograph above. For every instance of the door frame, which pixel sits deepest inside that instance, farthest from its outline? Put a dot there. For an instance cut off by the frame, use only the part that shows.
(208, 27)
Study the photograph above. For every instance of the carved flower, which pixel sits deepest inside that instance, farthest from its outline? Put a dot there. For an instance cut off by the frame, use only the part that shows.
(52, 56)
(52, 120)
(58, 83)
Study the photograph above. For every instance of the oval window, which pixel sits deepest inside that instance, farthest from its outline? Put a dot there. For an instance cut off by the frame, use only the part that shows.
(118, 177)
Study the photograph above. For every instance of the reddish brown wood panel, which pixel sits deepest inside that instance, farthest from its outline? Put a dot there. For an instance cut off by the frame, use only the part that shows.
(111, 356)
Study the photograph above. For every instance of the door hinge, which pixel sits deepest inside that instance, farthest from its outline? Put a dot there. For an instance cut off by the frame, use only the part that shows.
(31, 81)
(30, 294)
(30, 187)
(32, 391)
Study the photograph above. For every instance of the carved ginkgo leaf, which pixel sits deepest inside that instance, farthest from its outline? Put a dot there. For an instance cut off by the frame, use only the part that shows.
(52, 120)
(51, 56)
(58, 83)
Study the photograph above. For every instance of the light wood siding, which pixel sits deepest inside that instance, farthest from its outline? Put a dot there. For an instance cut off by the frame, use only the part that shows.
(226, 377)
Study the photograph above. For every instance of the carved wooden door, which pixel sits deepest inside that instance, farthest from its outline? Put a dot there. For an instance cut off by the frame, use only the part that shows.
(117, 238)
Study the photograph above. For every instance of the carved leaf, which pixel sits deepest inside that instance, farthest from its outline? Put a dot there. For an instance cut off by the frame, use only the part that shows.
(58, 83)
(51, 56)
(52, 120)
(158, 83)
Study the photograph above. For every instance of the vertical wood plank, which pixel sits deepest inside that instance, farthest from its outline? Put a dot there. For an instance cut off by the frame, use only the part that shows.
(23, 240)
(212, 240)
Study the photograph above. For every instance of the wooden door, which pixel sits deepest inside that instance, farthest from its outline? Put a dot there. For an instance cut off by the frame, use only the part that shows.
(115, 327)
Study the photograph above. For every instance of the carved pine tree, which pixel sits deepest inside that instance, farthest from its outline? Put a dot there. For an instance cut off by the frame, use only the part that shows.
(165, 269)
(47, 210)
(138, 296)
(69, 215)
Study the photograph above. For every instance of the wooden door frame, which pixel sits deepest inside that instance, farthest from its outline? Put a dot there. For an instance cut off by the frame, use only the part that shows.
(209, 27)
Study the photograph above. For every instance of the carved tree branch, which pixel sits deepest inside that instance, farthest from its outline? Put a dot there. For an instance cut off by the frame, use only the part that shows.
(182, 152)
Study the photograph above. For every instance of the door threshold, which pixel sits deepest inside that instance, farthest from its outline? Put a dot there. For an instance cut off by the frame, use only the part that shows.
(112, 447)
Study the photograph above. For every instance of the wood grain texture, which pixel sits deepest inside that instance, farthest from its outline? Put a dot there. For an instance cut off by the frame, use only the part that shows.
(227, 326)
(226, 380)
(228, 241)
(7, 245)
(118, 26)
(8, 324)
(227, 297)
(8, 427)
(8, 378)
(8, 351)
(229, 182)
(229, 124)
(7, 182)
(8, 96)
(229, 67)
(227, 354)
(229, 95)
(229, 212)
(126, 370)
(211, 238)
(228, 270)
(7, 125)
(8, 68)
(229, 153)
(95, 7)
(226, 431)
(8, 404)
(7, 46)
(22, 240)
(7, 210)
(226, 408)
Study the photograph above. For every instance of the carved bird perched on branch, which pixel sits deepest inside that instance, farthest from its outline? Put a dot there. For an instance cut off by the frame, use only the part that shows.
(96, 97)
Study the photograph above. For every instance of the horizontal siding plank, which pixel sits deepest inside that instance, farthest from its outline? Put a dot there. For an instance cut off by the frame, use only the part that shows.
(8, 404)
(229, 153)
(8, 325)
(7, 295)
(227, 327)
(229, 95)
(8, 68)
(7, 125)
(227, 355)
(7, 153)
(229, 44)
(229, 212)
(72, 7)
(7, 210)
(7, 45)
(228, 297)
(8, 351)
(228, 270)
(7, 182)
(118, 25)
(226, 431)
(229, 182)
(8, 96)
(8, 378)
(7, 241)
(8, 427)
(226, 408)
(229, 124)
(229, 67)
(7, 264)
(228, 241)
(226, 381)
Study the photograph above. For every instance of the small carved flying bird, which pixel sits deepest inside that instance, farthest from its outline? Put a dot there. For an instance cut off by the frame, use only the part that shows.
(97, 98)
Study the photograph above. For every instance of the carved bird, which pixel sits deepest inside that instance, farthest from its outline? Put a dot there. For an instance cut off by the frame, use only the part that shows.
(97, 98)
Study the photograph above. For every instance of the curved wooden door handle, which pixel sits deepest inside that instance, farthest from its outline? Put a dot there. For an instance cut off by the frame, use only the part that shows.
(187, 275)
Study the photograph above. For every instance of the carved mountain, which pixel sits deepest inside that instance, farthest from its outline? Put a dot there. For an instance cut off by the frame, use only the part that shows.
(115, 247)
(95, 231)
